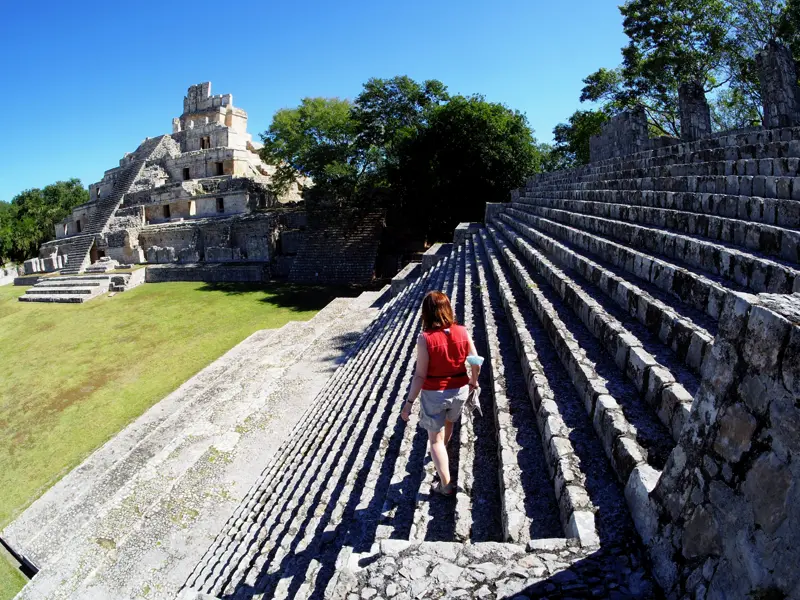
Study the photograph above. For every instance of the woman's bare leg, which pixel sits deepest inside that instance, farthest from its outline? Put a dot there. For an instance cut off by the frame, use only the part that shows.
(439, 456)
(448, 431)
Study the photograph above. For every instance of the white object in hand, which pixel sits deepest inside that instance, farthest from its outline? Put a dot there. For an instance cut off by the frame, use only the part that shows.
(475, 360)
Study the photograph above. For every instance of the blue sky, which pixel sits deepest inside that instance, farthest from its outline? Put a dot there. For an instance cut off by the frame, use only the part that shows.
(85, 82)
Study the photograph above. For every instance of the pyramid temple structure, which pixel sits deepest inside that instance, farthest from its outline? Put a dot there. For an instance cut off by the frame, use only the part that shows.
(640, 435)
(196, 205)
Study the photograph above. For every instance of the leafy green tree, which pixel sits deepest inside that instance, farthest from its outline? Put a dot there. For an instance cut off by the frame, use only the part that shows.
(317, 140)
(572, 138)
(789, 26)
(29, 220)
(672, 42)
(389, 111)
(471, 152)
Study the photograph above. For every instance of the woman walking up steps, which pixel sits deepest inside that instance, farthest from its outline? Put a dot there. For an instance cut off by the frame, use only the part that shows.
(444, 350)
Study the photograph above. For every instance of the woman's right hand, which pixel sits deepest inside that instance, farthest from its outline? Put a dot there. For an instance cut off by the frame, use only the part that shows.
(406, 413)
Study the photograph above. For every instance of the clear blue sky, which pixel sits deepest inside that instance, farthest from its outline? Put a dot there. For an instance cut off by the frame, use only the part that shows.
(85, 82)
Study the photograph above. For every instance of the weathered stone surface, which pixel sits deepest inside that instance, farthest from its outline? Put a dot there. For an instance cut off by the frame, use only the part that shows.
(778, 76)
(735, 434)
(695, 114)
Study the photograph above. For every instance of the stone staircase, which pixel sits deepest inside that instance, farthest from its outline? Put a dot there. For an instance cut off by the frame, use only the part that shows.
(80, 246)
(67, 289)
(137, 515)
(595, 295)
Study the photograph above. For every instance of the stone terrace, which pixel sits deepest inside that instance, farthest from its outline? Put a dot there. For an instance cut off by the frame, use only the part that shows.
(640, 424)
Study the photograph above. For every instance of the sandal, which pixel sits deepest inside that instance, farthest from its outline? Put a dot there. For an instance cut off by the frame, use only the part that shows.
(443, 490)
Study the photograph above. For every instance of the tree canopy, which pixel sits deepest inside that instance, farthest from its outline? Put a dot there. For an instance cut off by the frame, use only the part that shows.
(471, 152)
(29, 219)
(670, 42)
(430, 158)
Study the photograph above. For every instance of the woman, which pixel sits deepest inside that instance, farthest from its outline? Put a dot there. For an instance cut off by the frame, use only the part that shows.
(441, 376)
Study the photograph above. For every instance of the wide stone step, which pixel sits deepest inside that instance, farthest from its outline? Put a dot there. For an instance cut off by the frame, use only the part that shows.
(704, 293)
(52, 282)
(750, 209)
(787, 188)
(218, 448)
(65, 298)
(632, 434)
(771, 159)
(688, 340)
(736, 145)
(746, 269)
(666, 385)
(767, 240)
(72, 289)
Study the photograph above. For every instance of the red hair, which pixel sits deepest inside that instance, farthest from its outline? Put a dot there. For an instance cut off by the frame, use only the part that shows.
(436, 311)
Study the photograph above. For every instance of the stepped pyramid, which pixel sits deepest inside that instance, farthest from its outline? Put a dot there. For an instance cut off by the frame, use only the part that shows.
(639, 438)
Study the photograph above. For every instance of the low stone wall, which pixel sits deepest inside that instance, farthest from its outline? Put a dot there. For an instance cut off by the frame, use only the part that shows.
(209, 273)
(723, 519)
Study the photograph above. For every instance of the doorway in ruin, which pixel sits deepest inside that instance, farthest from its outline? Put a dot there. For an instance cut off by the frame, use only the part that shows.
(94, 254)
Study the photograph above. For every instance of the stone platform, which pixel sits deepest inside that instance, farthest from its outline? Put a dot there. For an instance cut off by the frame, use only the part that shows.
(67, 289)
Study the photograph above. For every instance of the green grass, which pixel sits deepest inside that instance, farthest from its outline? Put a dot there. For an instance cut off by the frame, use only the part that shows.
(71, 376)
(11, 580)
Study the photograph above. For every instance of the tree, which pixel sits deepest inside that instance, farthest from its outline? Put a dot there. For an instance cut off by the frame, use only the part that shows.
(789, 26)
(388, 111)
(317, 140)
(470, 153)
(29, 220)
(572, 138)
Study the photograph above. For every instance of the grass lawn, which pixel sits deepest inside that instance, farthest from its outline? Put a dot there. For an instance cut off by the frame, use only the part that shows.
(73, 375)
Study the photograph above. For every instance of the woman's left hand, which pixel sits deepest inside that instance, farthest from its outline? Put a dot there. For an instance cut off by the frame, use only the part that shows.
(406, 413)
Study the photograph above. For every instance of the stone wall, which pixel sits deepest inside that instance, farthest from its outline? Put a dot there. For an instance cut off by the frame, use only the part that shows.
(723, 519)
(694, 111)
(341, 248)
(779, 90)
(625, 133)
(209, 273)
(240, 238)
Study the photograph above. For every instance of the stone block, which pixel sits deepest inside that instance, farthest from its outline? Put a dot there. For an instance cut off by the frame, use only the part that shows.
(767, 333)
(406, 277)
(735, 434)
(464, 230)
(434, 254)
(641, 483)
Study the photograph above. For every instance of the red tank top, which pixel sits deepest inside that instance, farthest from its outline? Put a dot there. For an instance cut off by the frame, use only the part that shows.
(447, 352)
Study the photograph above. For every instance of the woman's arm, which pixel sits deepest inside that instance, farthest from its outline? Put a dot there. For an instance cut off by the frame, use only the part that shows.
(475, 370)
(419, 377)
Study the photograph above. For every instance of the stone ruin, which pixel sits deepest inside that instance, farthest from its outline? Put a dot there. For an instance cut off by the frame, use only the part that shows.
(640, 319)
(190, 202)
(627, 132)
